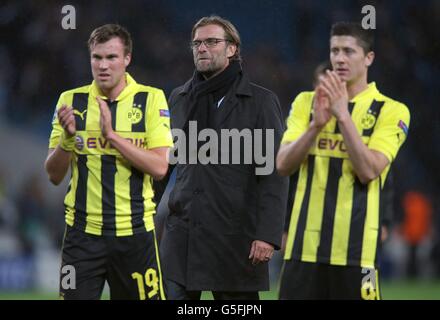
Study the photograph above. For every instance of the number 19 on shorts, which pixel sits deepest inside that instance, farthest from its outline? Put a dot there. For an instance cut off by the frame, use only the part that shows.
(148, 284)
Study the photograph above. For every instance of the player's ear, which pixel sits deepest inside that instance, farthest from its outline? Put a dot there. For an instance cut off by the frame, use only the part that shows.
(127, 59)
(369, 58)
(230, 50)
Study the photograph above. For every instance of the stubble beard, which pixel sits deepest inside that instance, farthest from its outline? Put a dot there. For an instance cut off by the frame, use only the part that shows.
(208, 70)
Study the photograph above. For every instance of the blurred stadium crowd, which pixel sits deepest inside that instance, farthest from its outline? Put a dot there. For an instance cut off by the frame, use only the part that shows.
(282, 44)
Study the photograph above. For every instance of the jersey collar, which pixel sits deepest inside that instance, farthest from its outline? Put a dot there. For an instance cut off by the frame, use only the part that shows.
(370, 91)
(130, 88)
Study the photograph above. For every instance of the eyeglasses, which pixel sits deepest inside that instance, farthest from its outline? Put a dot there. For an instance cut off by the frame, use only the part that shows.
(209, 42)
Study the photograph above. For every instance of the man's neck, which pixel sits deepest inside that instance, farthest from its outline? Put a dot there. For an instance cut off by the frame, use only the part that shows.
(353, 89)
(113, 93)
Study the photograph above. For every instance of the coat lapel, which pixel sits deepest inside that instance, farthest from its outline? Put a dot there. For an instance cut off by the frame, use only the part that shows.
(179, 107)
(240, 88)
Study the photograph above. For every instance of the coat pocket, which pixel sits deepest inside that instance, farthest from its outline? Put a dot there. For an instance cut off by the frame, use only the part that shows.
(179, 200)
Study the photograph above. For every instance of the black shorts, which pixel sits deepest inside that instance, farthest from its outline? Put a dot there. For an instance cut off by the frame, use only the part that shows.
(129, 264)
(317, 281)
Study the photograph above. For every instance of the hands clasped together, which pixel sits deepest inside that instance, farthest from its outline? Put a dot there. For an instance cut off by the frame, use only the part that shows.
(66, 117)
(331, 98)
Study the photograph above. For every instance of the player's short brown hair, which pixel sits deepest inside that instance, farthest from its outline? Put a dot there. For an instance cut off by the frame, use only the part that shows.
(365, 38)
(109, 31)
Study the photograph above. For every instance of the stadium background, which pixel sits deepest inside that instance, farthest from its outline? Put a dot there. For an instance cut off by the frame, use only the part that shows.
(283, 41)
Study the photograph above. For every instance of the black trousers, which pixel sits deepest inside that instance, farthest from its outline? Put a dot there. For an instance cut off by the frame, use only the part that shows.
(176, 291)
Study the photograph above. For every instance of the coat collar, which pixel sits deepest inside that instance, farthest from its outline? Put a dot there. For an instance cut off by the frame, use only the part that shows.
(242, 86)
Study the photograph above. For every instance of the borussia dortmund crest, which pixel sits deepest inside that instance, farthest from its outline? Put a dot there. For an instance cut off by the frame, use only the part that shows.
(368, 121)
(135, 114)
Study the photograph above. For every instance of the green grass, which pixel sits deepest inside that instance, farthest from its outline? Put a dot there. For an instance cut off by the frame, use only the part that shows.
(27, 296)
(397, 290)
(411, 290)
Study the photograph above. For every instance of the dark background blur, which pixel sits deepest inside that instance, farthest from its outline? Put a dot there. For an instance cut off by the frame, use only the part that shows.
(282, 43)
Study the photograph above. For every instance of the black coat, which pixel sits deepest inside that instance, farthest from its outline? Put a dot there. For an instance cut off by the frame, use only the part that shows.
(216, 211)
